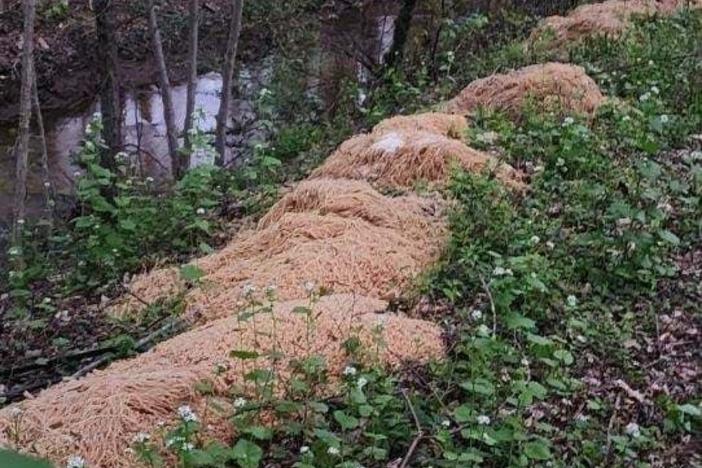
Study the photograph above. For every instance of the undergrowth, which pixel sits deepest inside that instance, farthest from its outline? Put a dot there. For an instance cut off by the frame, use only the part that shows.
(553, 300)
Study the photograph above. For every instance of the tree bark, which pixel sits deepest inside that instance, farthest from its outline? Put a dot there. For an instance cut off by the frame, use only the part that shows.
(227, 78)
(165, 85)
(44, 161)
(110, 107)
(402, 27)
(192, 78)
(22, 145)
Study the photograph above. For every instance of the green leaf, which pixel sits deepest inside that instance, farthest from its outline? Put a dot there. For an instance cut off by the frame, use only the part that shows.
(191, 273)
(259, 432)
(669, 237)
(15, 460)
(690, 410)
(539, 340)
(84, 222)
(463, 413)
(515, 321)
(346, 421)
(537, 450)
(247, 454)
(128, 225)
(564, 356)
(479, 386)
(243, 354)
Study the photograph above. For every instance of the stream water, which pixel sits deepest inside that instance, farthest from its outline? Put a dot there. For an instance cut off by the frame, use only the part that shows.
(143, 130)
(143, 126)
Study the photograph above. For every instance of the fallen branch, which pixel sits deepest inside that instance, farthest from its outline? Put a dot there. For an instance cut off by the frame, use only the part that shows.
(140, 344)
(634, 394)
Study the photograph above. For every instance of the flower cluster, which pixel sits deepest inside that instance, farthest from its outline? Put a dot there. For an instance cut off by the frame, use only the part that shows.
(187, 414)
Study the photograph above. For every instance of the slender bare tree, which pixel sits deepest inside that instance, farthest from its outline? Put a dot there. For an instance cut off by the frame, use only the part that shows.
(44, 161)
(192, 77)
(165, 85)
(402, 27)
(110, 107)
(227, 79)
(22, 145)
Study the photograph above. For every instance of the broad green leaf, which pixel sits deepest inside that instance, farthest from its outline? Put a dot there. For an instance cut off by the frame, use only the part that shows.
(537, 450)
(346, 421)
(247, 454)
(191, 273)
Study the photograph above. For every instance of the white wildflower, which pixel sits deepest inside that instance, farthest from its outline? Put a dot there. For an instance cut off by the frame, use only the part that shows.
(572, 301)
(550, 245)
(626, 118)
(149, 179)
(476, 314)
(665, 119)
(141, 437)
(14, 251)
(446, 423)
(75, 461)
(304, 449)
(655, 90)
(310, 287)
(200, 211)
(568, 121)
(350, 370)
(650, 62)
(240, 402)
(47, 184)
(535, 240)
(362, 382)
(645, 97)
(249, 289)
(632, 429)
(76, 174)
(499, 271)
(20, 221)
(187, 447)
(333, 451)
(483, 420)
(187, 414)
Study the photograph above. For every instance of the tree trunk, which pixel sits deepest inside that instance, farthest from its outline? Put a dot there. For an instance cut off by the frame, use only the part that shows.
(402, 27)
(44, 162)
(109, 83)
(22, 145)
(227, 78)
(165, 85)
(192, 78)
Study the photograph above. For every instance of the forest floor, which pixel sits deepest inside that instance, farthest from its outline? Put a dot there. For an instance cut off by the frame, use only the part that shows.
(571, 311)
